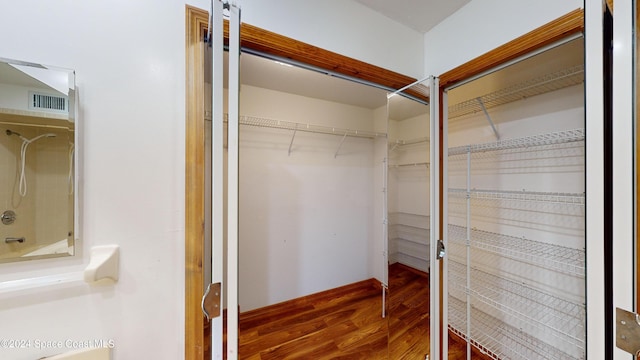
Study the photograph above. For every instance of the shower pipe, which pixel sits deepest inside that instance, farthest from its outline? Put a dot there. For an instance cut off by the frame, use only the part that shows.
(23, 156)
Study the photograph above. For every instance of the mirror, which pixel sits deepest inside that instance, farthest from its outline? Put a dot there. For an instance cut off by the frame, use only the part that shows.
(408, 224)
(37, 157)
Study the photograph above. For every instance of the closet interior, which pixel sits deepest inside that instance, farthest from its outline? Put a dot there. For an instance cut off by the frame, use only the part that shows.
(334, 190)
(311, 173)
(515, 169)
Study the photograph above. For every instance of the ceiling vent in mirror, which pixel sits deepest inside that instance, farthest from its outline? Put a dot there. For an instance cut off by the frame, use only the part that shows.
(48, 102)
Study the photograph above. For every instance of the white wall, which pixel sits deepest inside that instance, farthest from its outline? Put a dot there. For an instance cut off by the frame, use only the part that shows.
(306, 219)
(129, 59)
(344, 27)
(482, 25)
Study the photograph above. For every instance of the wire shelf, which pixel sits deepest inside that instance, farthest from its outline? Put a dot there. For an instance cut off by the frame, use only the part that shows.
(499, 340)
(535, 86)
(411, 219)
(399, 143)
(554, 138)
(574, 199)
(409, 233)
(556, 213)
(546, 159)
(294, 126)
(419, 165)
(547, 313)
(555, 257)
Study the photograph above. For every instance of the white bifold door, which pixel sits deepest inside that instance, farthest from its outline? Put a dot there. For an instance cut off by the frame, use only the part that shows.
(524, 204)
(224, 176)
(515, 208)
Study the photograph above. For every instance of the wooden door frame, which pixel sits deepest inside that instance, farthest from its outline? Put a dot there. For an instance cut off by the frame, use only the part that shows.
(197, 336)
(197, 341)
(552, 32)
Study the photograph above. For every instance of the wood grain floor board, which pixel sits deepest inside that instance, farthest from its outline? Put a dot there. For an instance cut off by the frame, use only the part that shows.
(346, 323)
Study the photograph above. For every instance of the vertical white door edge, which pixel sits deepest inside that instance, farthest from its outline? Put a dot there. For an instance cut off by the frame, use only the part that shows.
(434, 232)
(623, 162)
(217, 172)
(594, 109)
(232, 181)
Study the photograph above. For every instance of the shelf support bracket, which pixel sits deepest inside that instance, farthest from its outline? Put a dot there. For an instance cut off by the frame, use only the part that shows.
(340, 146)
(292, 137)
(486, 113)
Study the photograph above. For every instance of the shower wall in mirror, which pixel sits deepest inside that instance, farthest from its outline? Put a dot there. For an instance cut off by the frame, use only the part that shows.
(37, 152)
(408, 225)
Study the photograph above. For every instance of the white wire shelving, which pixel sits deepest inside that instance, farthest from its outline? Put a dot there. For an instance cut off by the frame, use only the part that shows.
(409, 238)
(549, 314)
(550, 256)
(413, 219)
(497, 339)
(304, 127)
(318, 129)
(415, 165)
(409, 233)
(572, 199)
(546, 139)
(505, 318)
(400, 143)
(536, 86)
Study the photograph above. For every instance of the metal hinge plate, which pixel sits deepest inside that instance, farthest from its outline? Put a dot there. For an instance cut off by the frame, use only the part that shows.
(440, 250)
(628, 331)
(211, 301)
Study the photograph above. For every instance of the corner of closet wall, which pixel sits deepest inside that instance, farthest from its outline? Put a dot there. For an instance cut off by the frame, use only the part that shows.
(308, 199)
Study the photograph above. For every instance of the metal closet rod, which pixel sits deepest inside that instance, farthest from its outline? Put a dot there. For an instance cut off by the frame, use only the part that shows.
(295, 126)
(333, 73)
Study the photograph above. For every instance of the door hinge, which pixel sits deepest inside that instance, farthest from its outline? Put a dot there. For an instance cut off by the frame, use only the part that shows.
(211, 301)
(440, 250)
(628, 331)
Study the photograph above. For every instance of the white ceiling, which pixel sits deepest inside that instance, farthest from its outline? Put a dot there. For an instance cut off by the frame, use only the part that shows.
(420, 15)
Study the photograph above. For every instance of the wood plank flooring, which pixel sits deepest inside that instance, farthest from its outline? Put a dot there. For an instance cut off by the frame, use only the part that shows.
(346, 323)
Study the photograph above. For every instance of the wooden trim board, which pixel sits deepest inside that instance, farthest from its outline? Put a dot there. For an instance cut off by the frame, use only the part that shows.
(196, 341)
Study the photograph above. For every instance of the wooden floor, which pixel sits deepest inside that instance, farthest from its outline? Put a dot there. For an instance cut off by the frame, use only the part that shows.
(346, 323)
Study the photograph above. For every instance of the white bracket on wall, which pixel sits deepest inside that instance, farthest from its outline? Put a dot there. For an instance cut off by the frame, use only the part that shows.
(340, 145)
(486, 113)
(292, 137)
(103, 264)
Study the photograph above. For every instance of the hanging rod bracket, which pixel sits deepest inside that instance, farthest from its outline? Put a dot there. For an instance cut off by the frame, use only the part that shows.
(486, 113)
(292, 137)
(340, 145)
